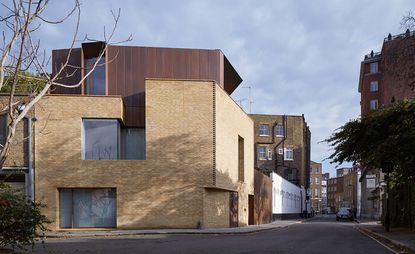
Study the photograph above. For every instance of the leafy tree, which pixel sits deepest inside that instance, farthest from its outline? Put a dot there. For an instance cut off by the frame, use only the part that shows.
(19, 218)
(384, 135)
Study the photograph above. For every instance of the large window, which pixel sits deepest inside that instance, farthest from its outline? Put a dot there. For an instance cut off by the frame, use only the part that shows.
(262, 152)
(87, 208)
(100, 139)
(263, 130)
(279, 130)
(374, 67)
(104, 139)
(288, 154)
(95, 83)
(374, 86)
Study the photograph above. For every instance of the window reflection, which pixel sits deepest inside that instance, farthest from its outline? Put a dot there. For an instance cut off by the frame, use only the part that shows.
(95, 83)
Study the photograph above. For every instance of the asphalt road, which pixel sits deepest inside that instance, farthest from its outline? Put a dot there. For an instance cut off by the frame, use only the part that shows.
(319, 235)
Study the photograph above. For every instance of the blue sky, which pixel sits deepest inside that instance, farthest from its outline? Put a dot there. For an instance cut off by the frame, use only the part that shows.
(299, 57)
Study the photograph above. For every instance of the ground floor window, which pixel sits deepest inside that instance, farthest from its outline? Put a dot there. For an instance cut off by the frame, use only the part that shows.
(82, 208)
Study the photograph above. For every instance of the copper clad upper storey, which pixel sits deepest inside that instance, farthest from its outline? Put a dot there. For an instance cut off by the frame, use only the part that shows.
(129, 66)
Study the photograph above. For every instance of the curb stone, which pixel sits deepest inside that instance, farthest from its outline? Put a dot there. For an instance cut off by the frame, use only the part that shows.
(161, 232)
(388, 241)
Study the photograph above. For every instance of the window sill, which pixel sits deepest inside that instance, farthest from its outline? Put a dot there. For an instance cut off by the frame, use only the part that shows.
(279, 136)
(263, 135)
(288, 159)
(262, 159)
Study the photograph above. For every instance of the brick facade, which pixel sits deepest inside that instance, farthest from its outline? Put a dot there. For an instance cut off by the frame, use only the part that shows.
(297, 138)
(191, 161)
(315, 186)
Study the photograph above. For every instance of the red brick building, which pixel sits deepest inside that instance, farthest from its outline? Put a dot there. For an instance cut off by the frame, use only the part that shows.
(388, 75)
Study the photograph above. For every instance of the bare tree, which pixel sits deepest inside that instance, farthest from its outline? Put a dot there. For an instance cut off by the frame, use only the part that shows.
(408, 21)
(22, 60)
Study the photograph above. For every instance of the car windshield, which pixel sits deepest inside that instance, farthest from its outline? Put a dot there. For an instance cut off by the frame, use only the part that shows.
(344, 210)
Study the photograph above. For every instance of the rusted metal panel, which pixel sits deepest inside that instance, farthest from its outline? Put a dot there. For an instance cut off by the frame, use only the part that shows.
(129, 66)
(70, 75)
(262, 198)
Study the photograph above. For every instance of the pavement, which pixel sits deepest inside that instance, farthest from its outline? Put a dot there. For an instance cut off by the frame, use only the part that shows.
(210, 231)
(322, 234)
(402, 238)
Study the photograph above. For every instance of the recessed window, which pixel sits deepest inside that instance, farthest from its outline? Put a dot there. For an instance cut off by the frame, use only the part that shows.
(241, 159)
(269, 154)
(288, 154)
(279, 130)
(280, 151)
(374, 67)
(95, 83)
(263, 130)
(317, 180)
(374, 86)
(262, 152)
(87, 208)
(373, 104)
(133, 144)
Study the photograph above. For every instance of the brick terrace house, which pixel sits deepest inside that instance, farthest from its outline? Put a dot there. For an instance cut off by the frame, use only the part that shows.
(282, 145)
(152, 139)
(335, 193)
(316, 186)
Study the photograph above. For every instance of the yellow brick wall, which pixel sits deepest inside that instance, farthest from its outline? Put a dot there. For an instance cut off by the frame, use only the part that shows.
(17, 156)
(163, 191)
(231, 122)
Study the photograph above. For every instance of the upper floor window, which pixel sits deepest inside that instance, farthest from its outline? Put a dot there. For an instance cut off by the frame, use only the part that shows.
(263, 130)
(288, 154)
(269, 154)
(374, 67)
(279, 130)
(95, 83)
(374, 104)
(374, 86)
(317, 180)
(262, 152)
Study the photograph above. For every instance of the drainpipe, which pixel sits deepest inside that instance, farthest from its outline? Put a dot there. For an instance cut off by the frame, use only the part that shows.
(30, 181)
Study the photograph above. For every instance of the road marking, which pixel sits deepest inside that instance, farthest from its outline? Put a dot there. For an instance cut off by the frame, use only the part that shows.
(379, 242)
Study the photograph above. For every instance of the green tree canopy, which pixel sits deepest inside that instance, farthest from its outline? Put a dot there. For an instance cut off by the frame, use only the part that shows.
(384, 135)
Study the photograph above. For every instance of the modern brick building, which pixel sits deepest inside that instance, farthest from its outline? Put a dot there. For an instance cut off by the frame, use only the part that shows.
(282, 145)
(316, 179)
(152, 139)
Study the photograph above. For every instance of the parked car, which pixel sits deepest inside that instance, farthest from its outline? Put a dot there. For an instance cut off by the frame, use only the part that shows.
(344, 213)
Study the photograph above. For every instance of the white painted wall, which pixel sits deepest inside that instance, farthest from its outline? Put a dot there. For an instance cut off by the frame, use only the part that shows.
(286, 197)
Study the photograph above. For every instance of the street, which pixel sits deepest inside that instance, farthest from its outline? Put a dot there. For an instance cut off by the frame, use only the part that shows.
(319, 235)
